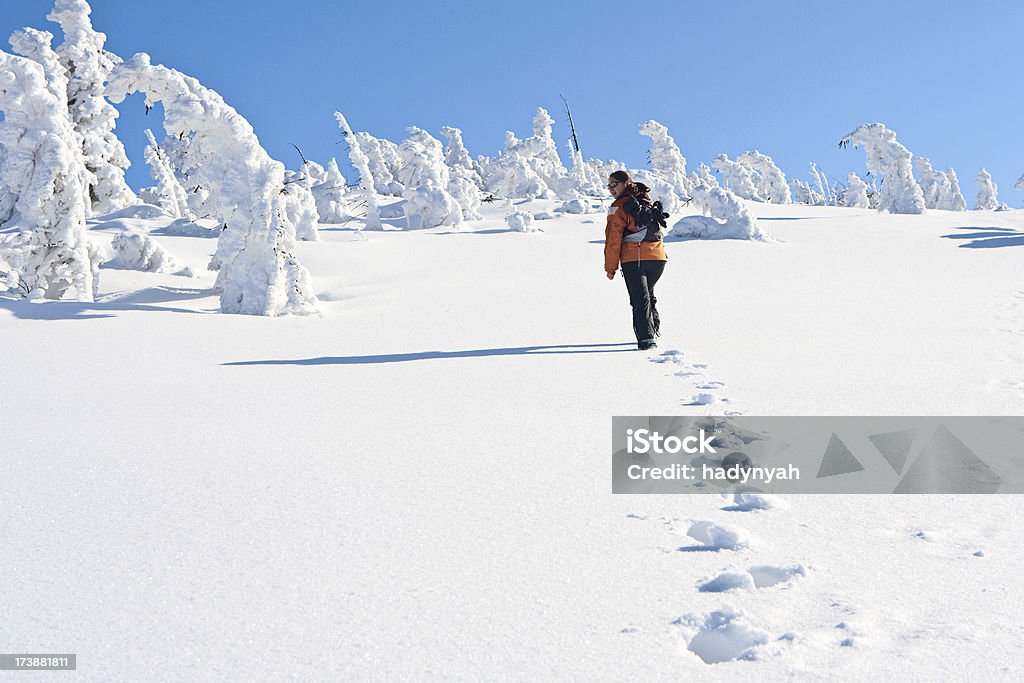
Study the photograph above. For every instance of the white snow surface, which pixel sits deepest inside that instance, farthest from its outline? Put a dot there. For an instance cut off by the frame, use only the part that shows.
(426, 492)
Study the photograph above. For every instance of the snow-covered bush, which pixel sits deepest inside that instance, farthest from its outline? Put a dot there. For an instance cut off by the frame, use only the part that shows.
(769, 180)
(44, 174)
(576, 206)
(520, 221)
(259, 271)
(88, 67)
(135, 250)
(361, 163)
(988, 192)
(737, 178)
(729, 219)
(856, 195)
(170, 195)
(384, 162)
(887, 158)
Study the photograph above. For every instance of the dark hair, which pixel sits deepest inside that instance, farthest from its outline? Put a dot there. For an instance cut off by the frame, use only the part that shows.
(636, 189)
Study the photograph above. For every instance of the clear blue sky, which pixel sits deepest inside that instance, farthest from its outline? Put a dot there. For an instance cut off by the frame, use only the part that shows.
(787, 78)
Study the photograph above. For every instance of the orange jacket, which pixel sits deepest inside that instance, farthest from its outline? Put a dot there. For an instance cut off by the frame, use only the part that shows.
(615, 250)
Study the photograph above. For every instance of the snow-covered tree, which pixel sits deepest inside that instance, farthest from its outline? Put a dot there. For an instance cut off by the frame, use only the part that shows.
(802, 193)
(530, 167)
(43, 171)
(856, 195)
(665, 157)
(426, 178)
(178, 151)
(887, 158)
(511, 174)
(300, 204)
(362, 165)
(988, 192)
(941, 189)
(329, 194)
(88, 67)
(954, 199)
(38, 46)
(458, 159)
(384, 162)
(730, 218)
(824, 190)
(170, 194)
(583, 176)
(259, 272)
(667, 177)
(704, 175)
(737, 177)
(769, 180)
(541, 152)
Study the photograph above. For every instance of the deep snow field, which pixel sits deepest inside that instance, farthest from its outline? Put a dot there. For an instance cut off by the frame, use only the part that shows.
(415, 483)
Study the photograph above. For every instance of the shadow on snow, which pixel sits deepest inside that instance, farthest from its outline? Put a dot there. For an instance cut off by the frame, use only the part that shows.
(142, 300)
(433, 355)
(988, 238)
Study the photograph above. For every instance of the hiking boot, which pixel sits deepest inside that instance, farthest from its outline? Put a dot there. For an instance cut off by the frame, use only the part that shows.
(647, 344)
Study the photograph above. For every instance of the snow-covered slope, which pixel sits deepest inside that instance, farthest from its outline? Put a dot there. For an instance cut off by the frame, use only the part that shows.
(416, 483)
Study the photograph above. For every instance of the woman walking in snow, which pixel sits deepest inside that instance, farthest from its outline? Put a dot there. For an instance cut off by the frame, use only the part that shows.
(640, 250)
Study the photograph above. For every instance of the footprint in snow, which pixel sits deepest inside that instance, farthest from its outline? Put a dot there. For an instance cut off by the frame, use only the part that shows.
(715, 536)
(762, 576)
(722, 635)
(711, 387)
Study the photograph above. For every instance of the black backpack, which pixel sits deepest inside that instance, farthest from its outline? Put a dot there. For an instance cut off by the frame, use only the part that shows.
(648, 216)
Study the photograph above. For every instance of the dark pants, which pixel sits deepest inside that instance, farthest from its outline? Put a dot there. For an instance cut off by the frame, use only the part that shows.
(640, 277)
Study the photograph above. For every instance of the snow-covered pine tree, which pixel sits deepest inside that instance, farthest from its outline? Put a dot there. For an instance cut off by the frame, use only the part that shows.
(769, 180)
(988, 192)
(512, 175)
(953, 200)
(426, 178)
(171, 195)
(300, 204)
(541, 152)
(362, 165)
(259, 273)
(457, 157)
(465, 182)
(737, 177)
(384, 162)
(668, 162)
(886, 157)
(88, 66)
(856, 192)
(43, 170)
(329, 194)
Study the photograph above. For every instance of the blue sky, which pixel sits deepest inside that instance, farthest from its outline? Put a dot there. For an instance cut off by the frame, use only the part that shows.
(787, 78)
